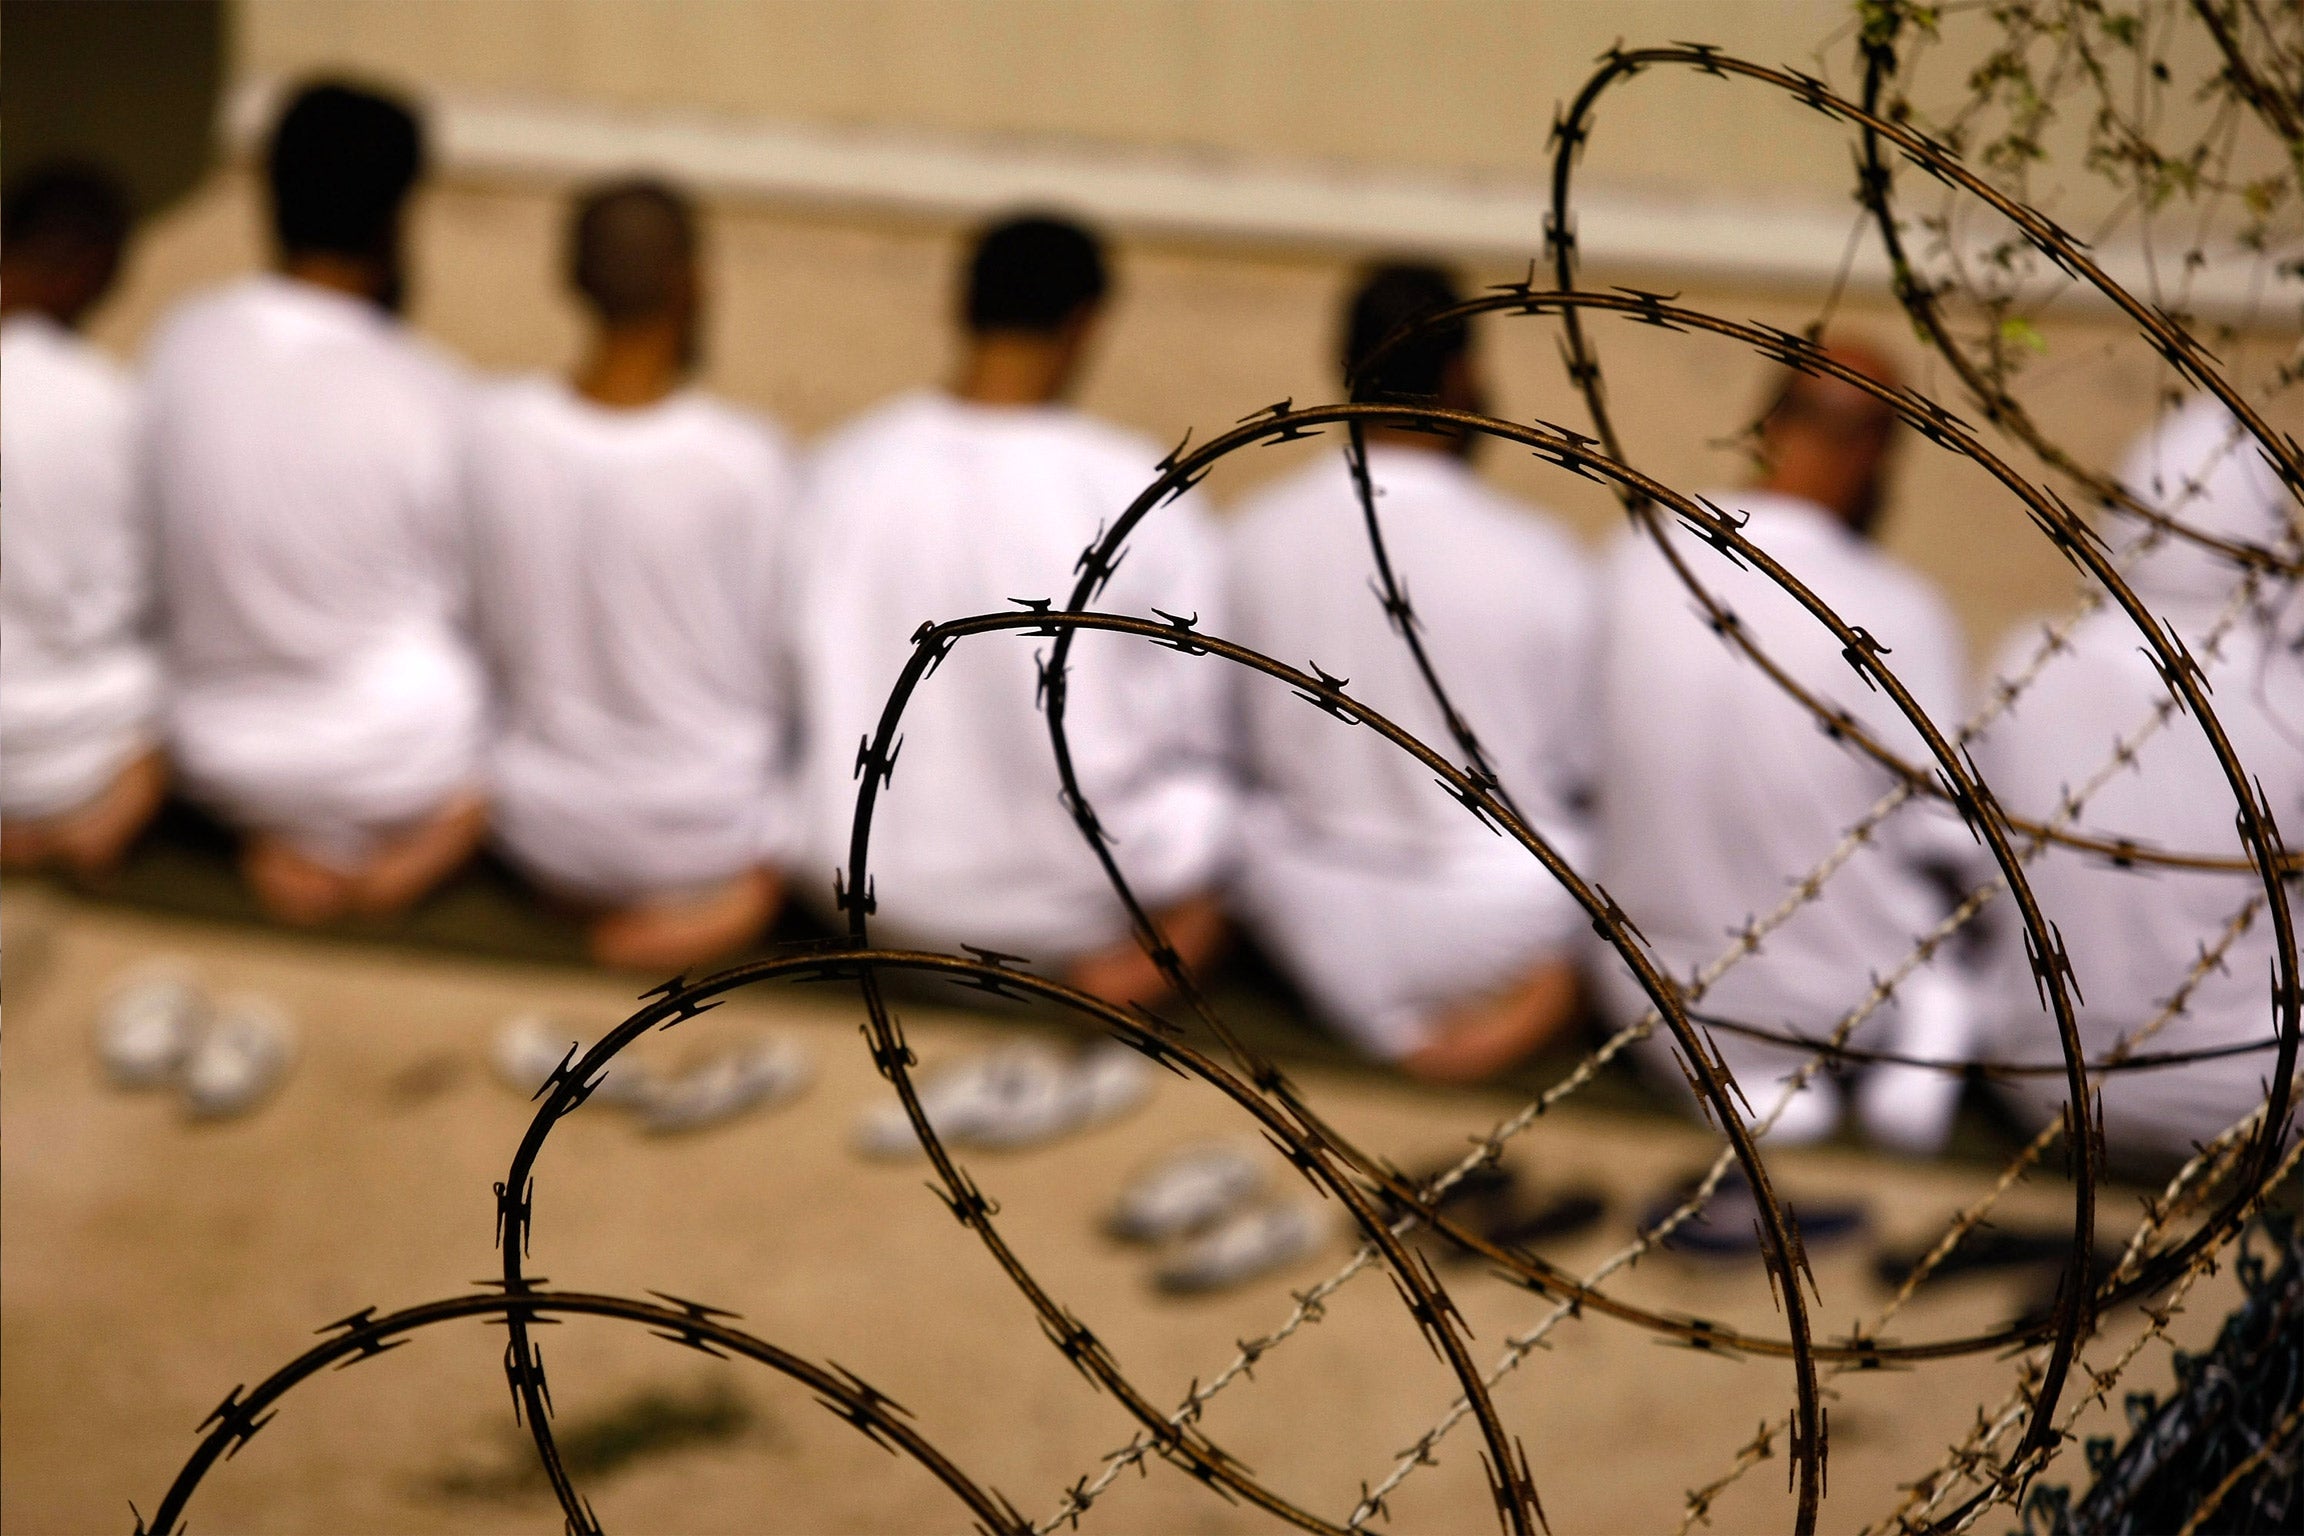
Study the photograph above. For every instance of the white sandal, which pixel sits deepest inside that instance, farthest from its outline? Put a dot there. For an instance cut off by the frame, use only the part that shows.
(148, 1025)
(724, 1086)
(1020, 1094)
(240, 1059)
(1187, 1191)
(1247, 1245)
(530, 1047)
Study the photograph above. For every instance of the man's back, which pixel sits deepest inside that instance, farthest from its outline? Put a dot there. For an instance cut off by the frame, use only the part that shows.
(1410, 924)
(311, 558)
(1719, 790)
(626, 574)
(1503, 602)
(305, 461)
(931, 508)
(2134, 935)
(80, 680)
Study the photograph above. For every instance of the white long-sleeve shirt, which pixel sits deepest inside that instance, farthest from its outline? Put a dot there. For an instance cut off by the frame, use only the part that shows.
(304, 452)
(626, 577)
(2135, 934)
(79, 677)
(1378, 891)
(930, 508)
(1718, 791)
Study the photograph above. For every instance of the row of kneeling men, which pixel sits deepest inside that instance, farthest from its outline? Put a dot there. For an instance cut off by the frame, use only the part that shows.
(373, 612)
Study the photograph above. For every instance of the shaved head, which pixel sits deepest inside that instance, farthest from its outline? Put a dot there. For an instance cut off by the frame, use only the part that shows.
(632, 251)
(1827, 441)
(1834, 404)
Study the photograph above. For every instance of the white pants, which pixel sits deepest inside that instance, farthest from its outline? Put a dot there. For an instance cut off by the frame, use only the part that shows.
(653, 830)
(335, 760)
(1381, 944)
(66, 734)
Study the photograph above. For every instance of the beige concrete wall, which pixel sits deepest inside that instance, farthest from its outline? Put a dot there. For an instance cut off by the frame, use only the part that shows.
(1455, 85)
(816, 317)
(1460, 84)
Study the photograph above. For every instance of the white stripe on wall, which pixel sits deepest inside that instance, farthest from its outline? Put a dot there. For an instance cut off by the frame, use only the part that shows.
(1624, 235)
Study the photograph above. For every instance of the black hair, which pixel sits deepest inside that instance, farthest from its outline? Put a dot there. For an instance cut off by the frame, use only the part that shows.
(1387, 298)
(341, 163)
(628, 246)
(67, 206)
(1033, 273)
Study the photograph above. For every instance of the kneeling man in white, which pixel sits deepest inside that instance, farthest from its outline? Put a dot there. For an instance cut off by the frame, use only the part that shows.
(627, 536)
(1413, 927)
(326, 699)
(80, 769)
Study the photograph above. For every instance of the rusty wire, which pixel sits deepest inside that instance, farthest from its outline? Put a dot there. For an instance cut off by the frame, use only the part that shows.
(1384, 1204)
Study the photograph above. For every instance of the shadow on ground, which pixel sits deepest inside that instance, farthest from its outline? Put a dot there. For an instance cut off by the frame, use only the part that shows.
(656, 1421)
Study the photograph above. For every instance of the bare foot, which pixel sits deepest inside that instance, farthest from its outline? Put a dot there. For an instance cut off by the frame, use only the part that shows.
(412, 862)
(1477, 1040)
(91, 840)
(291, 886)
(1124, 974)
(670, 936)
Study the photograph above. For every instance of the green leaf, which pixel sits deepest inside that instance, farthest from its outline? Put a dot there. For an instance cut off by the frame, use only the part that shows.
(2016, 331)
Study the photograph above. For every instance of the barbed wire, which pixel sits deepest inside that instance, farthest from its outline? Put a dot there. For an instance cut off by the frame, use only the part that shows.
(2183, 355)
(1707, 1334)
(1883, 989)
(1293, 424)
(1987, 381)
(1971, 1216)
(1309, 1304)
(364, 1335)
(1384, 1204)
(2006, 1483)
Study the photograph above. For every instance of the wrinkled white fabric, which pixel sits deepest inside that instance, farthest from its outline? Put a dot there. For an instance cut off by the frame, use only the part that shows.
(312, 564)
(79, 677)
(931, 508)
(1382, 896)
(2133, 935)
(625, 580)
(1719, 790)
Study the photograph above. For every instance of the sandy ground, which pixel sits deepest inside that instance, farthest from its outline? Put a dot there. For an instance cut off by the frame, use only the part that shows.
(149, 1265)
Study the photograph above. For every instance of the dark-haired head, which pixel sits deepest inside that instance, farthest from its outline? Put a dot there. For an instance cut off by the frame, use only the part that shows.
(342, 162)
(1035, 274)
(632, 259)
(1035, 288)
(62, 228)
(1434, 366)
(632, 251)
(1388, 298)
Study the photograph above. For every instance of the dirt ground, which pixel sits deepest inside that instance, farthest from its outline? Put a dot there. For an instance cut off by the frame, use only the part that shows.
(149, 1265)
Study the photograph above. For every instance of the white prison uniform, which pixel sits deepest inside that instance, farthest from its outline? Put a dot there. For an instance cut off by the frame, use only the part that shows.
(79, 679)
(1382, 896)
(312, 554)
(2134, 935)
(931, 508)
(1718, 791)
(625, 575)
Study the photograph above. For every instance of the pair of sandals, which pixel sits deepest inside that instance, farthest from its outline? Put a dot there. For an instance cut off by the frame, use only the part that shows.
(159, 1028)
(1023, 1093)
(1211, 1211)
(1207, 1207)
(708, 1091)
